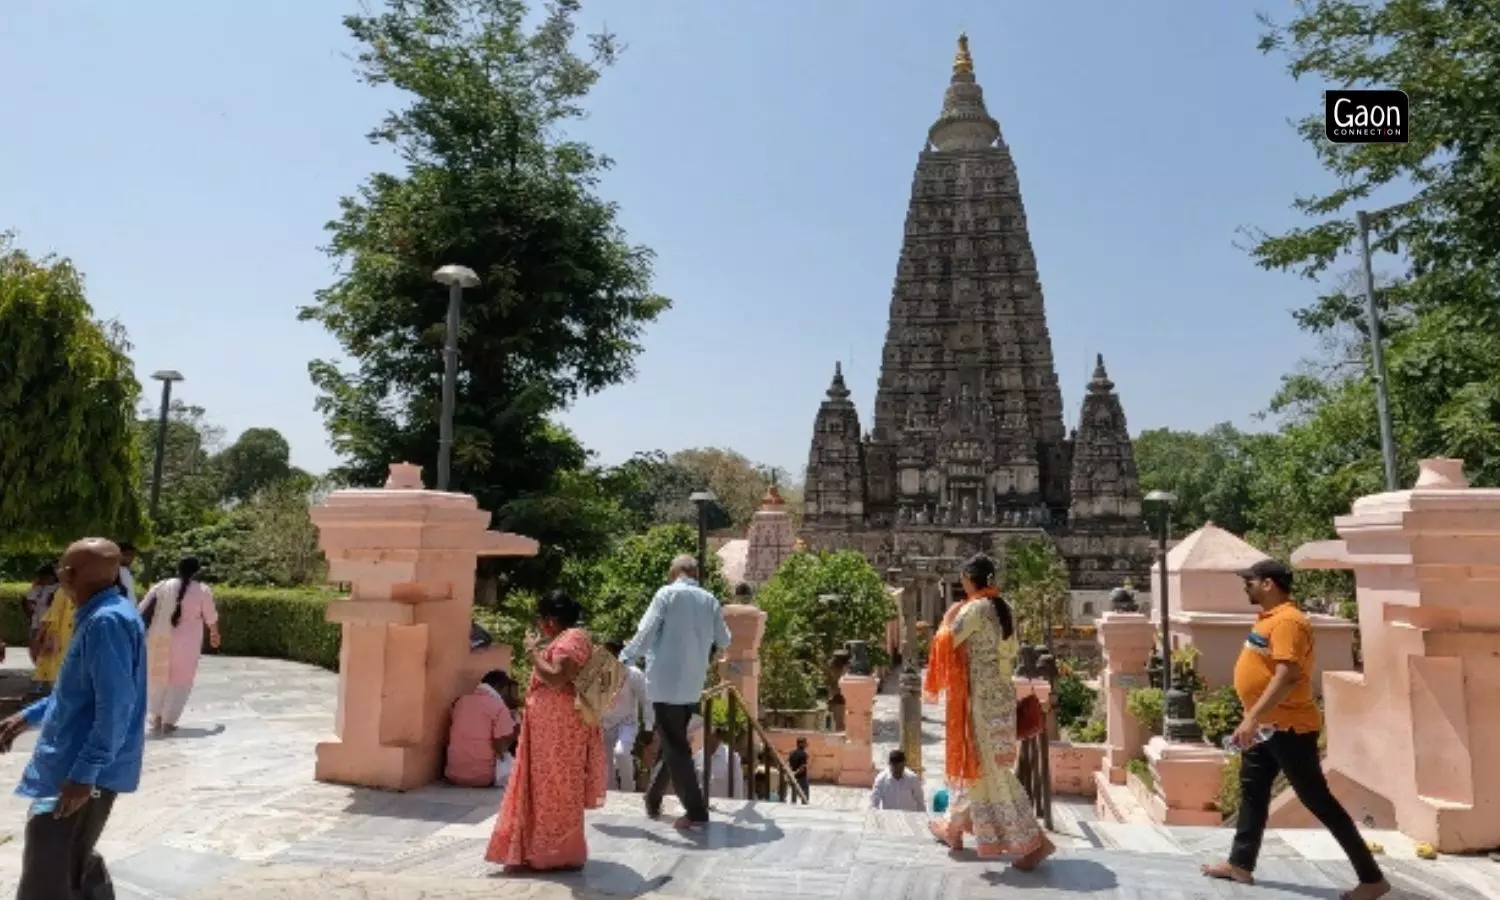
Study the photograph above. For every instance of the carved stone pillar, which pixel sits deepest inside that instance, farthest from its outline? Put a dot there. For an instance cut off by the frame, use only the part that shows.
(740, 666)
(911, 678)
(409, 554)
(1126, 639)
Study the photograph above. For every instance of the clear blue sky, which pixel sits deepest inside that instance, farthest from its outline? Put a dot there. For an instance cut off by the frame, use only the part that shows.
(187, 154)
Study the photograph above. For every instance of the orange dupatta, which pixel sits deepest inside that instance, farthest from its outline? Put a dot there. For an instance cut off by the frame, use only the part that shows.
(948, 674)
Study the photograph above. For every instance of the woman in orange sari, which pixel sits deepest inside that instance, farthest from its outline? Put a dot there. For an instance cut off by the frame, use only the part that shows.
(559, 767)
(972, 661)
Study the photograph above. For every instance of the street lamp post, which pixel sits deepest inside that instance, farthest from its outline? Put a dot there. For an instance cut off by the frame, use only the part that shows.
(702, 499)
(1180, 724)
(1377, 356)
(166, 377)
(456, 278)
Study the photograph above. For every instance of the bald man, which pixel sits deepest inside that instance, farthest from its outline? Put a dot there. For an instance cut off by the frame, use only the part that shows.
(93, 733)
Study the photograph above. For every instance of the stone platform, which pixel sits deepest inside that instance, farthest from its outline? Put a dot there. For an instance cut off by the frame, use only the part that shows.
(228, 809)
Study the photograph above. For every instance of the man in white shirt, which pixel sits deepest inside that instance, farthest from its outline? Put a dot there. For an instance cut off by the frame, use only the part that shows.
(898, 787)
(721, 761)
(630, 715)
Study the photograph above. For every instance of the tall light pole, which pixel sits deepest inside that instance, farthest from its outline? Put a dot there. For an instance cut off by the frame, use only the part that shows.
(1377, 356)
(456, 278)
(1180, 723)
(166, 377)
(702, 499)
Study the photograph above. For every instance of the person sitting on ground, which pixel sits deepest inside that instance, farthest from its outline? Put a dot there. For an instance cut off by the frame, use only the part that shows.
(898, 787)
(483, 733)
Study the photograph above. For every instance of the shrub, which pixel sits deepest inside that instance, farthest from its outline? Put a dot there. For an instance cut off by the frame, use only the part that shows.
(1219, 713)
(1229, 787)
(719, 713)
(1094, 731)
(278, 624)
(1074, 700)
(1141, 769)
(786, 682)
(1146, 705)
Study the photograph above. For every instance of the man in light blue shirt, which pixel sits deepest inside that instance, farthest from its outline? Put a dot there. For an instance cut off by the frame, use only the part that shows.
(93, 733)
(678, 636)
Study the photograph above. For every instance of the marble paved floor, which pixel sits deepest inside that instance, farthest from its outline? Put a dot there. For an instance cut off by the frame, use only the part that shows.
(228, 809)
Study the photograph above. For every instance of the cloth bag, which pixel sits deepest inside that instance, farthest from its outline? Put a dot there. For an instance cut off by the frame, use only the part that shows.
(596, 684)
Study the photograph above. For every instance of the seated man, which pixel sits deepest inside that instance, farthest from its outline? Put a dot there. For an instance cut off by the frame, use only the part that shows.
(483, 733)
(721, 761)
(897, 787)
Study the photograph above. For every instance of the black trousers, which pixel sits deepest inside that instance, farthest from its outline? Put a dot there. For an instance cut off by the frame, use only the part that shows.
(1295, 755)
(59, 861)
(676, 762)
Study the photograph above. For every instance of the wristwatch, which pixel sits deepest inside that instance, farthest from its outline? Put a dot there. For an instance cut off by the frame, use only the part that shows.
(94, 793)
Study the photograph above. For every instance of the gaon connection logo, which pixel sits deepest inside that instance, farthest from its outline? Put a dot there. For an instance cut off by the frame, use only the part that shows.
(1366, 117)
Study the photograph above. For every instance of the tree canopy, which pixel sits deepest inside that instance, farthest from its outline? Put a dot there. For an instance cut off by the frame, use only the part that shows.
(68, 450)
(491, 181)
(818, 601)
(618, 589)
(1035, 580)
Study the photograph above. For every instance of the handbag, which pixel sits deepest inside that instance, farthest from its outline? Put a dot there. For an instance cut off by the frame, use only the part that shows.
(1030, 718)
(596, 684)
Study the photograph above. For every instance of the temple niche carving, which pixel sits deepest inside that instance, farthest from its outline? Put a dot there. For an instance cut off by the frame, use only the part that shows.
(968, 448)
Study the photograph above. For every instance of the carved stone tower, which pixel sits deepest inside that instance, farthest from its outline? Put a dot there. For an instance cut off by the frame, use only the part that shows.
(771, 538)
(968, 445)
(835, 490)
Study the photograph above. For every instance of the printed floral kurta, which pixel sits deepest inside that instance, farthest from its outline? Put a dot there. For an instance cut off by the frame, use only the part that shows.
(995, 808)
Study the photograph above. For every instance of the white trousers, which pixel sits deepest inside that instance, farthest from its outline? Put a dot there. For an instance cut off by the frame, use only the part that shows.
(619, 756)
(168, 701)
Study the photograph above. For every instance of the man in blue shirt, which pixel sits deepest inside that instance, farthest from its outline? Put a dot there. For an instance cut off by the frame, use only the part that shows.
(678, 636)
(93, 733)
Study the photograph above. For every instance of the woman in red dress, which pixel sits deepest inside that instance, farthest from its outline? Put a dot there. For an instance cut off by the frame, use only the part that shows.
(559, 768)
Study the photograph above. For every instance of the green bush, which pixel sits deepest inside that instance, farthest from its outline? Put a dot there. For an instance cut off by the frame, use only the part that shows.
(1147, 706)
(1219, 714)
(1142, 770)
(786, 682)
(1229, 787)
(1094, 731)
(1074, 700)
(278, 624)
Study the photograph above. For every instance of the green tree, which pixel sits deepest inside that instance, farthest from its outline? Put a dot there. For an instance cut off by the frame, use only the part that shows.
(269, 540)
(68, 451)
(258, 459)
(654, 488)
(490, 181)
(1210, 473)
(618, 589)
(819, 601)
(190, 482)
(1035, 580)
(1440, 310)
(739, 483)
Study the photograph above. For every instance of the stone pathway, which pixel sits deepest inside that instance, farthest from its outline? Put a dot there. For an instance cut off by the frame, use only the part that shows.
(229, 809)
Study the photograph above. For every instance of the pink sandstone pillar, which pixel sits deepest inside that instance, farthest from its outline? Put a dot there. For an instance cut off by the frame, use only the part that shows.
(856, 767)
(1187, 780)
(741, 663)
(1126, 639)
(1415, 738)
(409, 554)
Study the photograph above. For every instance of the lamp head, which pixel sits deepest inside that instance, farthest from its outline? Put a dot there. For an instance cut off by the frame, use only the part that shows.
(463, 276)
(167, 375)
(1164, 498)
(704, 496)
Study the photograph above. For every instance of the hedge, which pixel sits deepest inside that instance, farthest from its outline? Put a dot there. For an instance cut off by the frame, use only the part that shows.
(272, 623)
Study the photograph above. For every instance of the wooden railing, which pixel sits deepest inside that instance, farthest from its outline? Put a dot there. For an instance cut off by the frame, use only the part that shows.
(1034, 769)
(735, 703)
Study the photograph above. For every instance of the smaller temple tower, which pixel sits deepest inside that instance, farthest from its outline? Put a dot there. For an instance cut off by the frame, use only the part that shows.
(771, 538)
(835, 489)
(1104, 485)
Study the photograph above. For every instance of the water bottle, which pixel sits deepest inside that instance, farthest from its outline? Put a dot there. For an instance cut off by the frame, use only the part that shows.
(1262, 734)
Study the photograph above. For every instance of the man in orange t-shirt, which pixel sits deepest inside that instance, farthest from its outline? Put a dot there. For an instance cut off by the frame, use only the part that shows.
(1279, 733)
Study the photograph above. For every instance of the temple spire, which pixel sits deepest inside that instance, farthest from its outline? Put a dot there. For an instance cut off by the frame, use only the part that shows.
(1100, 383)
(964, 123)
(963, 63)
(837, 390)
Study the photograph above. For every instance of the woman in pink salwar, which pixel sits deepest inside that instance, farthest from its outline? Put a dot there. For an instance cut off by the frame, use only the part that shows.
(559, 768)
(176, 612)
